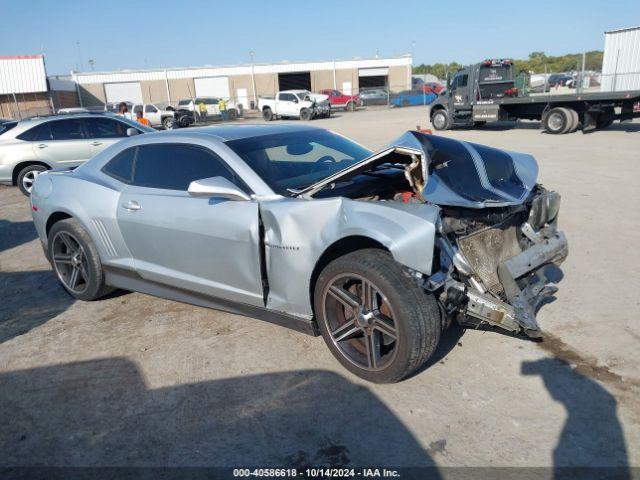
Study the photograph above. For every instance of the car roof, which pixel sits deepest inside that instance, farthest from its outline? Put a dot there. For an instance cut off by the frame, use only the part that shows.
(235, 132)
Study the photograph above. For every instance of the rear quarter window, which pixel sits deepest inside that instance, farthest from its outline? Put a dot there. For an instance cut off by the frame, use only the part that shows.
(120, 167)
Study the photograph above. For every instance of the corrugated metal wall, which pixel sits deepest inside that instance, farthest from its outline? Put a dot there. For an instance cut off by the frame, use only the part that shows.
(22, 74)
(621, 62)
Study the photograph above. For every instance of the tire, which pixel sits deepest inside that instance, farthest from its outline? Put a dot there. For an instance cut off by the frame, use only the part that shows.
(412, 315)
(351, 107)
(90, 282)
(575, 120)
(233, 114)
(27, 176)
(557, 121)
(169, 123)
(267, 114)
(440, 120)
(306, 114)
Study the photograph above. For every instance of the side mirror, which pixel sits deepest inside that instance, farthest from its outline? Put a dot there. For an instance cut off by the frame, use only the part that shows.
(132, 132)
(295, 100)
(218, 187)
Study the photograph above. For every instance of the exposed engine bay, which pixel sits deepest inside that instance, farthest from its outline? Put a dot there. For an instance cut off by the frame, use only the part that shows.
(497, 243)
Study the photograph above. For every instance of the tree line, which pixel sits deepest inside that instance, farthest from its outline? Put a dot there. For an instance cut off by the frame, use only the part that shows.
(536, 63)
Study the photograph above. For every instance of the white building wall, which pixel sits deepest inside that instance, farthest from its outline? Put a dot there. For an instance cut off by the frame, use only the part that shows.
(22, 74)
(621, 62)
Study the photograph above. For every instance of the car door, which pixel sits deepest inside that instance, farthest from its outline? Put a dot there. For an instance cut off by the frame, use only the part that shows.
(62, 143)
(287, 104)
(152, 114)
(103, 132)
(206, 245)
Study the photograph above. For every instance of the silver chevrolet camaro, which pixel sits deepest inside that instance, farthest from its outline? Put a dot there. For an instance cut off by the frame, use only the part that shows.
(300, 226)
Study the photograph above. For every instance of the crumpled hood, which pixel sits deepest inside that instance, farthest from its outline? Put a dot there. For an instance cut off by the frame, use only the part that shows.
(450, 172)
(471, 175)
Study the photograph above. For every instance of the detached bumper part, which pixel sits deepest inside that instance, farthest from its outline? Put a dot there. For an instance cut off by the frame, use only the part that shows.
(519, 314)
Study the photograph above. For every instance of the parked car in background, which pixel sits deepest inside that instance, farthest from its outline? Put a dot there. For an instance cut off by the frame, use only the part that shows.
(378, 252)
(339, 100)
(7, 124)
(157, 116)
(412, 98)
(212, 103)
(434, 87)
(300, 104)
(59, 141)
(64, 111)
(374, 96)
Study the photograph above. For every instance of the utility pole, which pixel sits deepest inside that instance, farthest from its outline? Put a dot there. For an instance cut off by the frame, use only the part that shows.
(253, 79)
(81, 62)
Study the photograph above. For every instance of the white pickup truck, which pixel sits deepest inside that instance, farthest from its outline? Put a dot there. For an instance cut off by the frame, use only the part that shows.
(157, 116)
(300, 104)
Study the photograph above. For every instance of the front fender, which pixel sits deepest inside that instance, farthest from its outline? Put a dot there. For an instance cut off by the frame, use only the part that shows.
(297, 233)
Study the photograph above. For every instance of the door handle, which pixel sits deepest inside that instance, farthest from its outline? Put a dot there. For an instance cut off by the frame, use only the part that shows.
(96, 143)
(42, 145)
(131, 205)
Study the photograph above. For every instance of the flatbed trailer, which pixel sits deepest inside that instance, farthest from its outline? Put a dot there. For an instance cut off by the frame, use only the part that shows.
(485, 92)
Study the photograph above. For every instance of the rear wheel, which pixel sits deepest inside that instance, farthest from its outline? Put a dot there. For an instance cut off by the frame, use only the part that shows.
(76, 261)
(557, 121)
(27, 177)
(374, 319)
(267, 114)
(575, 120)
(440, 120)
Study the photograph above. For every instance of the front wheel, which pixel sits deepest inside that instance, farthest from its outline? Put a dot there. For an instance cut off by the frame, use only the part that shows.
(377, 323)
(27, 177)
(76, 261)
(169, 123)
(440, 120)
(351, 106)
(306, 114)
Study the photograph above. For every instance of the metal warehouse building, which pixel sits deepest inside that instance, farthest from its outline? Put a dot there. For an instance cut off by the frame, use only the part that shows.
(243, 83)
(23, 86)
(621, 62)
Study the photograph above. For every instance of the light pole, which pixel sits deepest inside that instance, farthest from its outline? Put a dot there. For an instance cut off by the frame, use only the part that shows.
(81, 65)
(253, 79)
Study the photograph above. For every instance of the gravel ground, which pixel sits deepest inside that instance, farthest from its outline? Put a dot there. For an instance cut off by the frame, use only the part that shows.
(139, 381)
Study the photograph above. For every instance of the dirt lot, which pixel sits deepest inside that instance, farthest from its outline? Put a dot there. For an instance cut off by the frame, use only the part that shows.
(134, 380)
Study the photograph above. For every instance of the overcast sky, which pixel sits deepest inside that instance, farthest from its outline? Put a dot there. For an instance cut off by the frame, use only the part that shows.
(148, 34)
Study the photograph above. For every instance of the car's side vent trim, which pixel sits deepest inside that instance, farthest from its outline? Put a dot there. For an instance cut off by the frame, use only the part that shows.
(104, 237)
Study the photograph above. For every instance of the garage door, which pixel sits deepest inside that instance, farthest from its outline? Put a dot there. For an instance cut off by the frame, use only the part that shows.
(373, 77)
(294, 81)
(123, 92)
(212, 87)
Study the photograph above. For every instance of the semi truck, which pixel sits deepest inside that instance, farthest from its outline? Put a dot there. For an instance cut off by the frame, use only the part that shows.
(486, 92)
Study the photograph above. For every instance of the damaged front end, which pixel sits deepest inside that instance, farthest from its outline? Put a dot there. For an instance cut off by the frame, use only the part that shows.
(497, 246)
(499, 274)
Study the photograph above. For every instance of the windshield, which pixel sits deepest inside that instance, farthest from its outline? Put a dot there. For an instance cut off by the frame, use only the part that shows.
(292, 161)
(303, 95)
(184, 102)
